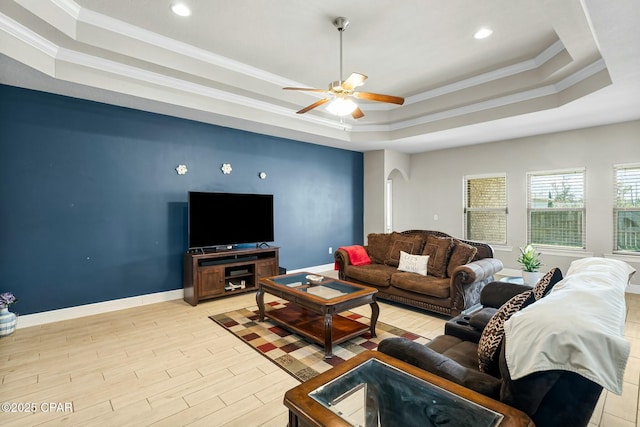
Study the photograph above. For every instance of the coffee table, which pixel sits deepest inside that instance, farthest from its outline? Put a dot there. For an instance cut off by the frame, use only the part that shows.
(374, 389)
(314, 309)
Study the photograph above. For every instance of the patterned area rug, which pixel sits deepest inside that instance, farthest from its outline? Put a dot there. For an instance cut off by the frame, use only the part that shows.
(300, 358)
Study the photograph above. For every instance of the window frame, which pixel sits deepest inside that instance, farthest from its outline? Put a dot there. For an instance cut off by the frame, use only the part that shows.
(467, 209)
(531, 210)
(617, 209)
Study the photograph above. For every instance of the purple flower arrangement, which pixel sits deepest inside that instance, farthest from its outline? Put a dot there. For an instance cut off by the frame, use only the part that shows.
(7, 299)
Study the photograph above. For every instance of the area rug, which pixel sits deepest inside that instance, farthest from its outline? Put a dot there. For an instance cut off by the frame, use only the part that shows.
(291, 352)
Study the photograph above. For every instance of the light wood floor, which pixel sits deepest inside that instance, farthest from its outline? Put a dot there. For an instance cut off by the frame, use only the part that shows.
(167, 364)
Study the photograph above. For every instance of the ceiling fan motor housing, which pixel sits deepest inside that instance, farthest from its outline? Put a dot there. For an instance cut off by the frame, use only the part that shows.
(336, 86)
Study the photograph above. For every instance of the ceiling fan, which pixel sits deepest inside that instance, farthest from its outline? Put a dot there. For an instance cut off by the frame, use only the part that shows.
(342, 91)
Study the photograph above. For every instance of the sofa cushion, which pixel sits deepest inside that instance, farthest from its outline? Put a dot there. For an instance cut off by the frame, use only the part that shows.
(401, 242)
(461, 254)
(438, 249)
(431, 361)
(371, 274)
(425, 285)
(413, 263)
(378, 246)
(493, 333)
(463, 352)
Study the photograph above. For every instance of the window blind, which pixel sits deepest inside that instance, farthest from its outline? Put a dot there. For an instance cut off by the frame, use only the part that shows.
(556, 209)
(626, 209)
(485, 201)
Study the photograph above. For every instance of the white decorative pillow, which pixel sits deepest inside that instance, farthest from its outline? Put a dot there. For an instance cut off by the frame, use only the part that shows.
(413, 263)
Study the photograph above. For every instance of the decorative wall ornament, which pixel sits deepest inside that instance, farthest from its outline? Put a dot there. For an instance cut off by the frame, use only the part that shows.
(182, 169)
(226, 168)
(262, 175)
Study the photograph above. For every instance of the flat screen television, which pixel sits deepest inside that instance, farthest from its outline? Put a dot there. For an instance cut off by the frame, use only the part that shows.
(224, 219)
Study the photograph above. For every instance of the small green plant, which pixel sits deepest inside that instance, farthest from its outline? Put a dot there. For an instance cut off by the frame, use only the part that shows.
(529, 259)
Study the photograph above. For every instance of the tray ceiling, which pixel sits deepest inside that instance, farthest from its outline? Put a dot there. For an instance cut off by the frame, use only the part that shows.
(549, 66)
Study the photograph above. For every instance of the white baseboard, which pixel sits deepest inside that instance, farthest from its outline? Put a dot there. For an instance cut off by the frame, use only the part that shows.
(633, 289)
(96, 308)
(36, 319)
(316, 269)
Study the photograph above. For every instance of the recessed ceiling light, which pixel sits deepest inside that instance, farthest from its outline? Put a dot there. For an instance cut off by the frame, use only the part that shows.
(483, 33)
(181, 9)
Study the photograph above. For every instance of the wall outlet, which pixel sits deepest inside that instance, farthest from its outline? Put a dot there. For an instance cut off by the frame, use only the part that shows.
(435, 217)
(330, 250)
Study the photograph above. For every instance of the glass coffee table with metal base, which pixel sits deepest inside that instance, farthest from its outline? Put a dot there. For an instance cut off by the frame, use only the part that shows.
(373, 389)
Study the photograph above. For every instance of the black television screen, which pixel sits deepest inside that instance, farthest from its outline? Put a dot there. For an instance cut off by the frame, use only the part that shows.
(223, 219)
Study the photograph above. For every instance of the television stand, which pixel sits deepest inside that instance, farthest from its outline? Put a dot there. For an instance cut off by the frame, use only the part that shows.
(227, 272)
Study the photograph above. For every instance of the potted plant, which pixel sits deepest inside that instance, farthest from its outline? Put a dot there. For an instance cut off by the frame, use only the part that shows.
(7, 319)
(530, 262)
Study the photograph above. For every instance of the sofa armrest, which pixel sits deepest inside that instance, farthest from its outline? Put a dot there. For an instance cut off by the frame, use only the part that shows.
(495, 294)
(341, 261)
(476, 271)
(468, 280)
(431, 361)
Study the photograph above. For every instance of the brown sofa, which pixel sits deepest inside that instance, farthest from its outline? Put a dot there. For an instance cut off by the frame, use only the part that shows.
(456, 273)
(544, 359)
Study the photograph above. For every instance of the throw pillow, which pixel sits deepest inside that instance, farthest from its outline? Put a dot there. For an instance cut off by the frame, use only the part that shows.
(493, 333)
(378, 246)
(461, 254)
(438, 249)
(544, 286)
(413, 263)
(400, 242)
(546, 283)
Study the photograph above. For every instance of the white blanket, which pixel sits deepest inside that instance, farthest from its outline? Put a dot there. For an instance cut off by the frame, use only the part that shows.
(577, 327)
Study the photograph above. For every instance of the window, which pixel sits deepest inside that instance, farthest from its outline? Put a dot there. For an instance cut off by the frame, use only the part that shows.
(485, 212)
(555, 208)
(626, 209)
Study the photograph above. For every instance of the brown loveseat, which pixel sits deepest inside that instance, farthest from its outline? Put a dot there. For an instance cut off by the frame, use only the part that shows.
(457, 270)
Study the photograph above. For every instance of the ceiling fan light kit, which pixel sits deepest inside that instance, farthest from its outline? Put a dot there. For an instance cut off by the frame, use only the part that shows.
(342, 91)
(341, 106)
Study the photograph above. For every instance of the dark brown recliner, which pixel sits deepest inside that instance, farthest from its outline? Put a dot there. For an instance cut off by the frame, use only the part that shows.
(550, 398)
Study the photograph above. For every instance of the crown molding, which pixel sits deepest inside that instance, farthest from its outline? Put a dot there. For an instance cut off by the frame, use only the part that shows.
(146, 76)
(158, 41)
(22, 33)
(69, 7)
(551, 89)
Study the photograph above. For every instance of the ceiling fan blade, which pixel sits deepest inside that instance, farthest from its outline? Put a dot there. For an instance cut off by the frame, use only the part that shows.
(379, 97)
(357, 113)
(353, 81)
(312, 106)
(308, 89)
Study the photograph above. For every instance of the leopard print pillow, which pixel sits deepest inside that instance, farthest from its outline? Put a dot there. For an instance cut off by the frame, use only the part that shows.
(493, 333)
(547, 282)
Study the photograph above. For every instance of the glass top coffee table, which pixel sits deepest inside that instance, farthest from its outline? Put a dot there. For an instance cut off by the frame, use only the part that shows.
(314, 309)
(373, 389)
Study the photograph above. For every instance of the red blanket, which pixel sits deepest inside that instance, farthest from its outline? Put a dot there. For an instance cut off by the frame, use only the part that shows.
(357, 255)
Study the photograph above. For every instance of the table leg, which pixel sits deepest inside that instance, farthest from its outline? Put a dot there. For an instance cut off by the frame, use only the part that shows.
(328, 345)
(375, 311)
(260, 302)
(293, 420)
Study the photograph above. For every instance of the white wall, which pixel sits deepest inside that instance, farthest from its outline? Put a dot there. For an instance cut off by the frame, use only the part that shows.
(435, 184)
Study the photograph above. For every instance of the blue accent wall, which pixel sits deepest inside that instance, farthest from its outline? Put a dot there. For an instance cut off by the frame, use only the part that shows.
(92, 209)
